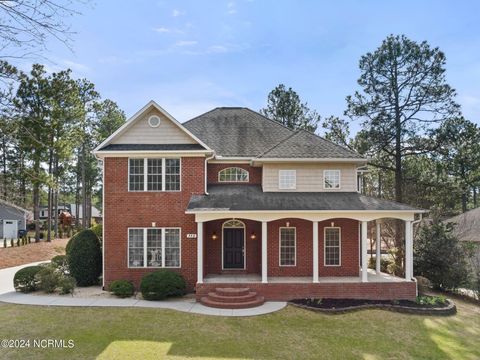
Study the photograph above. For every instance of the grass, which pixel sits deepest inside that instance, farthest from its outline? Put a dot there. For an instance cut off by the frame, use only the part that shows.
(293, 333)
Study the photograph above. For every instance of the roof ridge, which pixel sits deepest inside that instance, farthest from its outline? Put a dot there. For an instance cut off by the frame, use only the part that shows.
(331, 142)
(294, 132)
(271, 120)
(196, 117)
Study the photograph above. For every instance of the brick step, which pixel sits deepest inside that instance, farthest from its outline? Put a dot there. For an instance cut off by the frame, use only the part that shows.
(232, 291)
(259, 300)
(232, 298)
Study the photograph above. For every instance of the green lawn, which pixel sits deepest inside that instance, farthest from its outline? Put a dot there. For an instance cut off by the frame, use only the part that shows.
(117, 333)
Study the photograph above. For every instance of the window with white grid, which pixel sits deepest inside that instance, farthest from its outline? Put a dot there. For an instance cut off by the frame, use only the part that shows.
(287, 179)
(233, 174)
(331, 179)
(288, 242)
(154, 247)
(332, 246)
(172, 174)
(135, 248)
(172, 247)
(154, 174)
(136, 175)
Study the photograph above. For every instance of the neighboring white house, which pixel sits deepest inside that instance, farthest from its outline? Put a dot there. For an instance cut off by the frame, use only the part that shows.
(12, 219)
(73, 210)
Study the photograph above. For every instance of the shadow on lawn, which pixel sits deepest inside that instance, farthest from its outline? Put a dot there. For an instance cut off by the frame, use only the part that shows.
(107, 333)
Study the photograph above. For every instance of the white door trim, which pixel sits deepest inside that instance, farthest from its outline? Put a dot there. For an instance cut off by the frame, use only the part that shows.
(244, 227)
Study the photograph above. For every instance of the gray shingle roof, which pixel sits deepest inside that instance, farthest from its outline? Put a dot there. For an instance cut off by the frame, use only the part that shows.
(146, 147)
(467, 225)
(251, 197)
(303, 144)
(237, 132)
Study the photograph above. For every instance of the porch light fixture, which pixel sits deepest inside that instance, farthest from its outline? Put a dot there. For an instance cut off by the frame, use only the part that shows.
(214, 236)
(288, 223)
(253, 236)
(154, 224)
(332, 224)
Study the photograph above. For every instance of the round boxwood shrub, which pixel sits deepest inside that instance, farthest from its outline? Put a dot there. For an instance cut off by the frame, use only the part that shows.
(84, 258)
(122, 288)
(162, 283)
(24, 279)
(48, 279)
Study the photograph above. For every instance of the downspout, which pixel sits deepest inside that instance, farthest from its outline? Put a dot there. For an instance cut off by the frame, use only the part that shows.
(206, 160)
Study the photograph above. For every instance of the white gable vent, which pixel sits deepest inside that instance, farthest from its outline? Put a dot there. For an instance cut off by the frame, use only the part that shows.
(154, 121)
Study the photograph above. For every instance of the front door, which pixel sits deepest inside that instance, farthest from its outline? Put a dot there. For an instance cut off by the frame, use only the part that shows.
(233, 248)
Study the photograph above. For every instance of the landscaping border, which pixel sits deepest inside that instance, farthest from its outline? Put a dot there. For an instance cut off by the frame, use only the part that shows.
(449, 310)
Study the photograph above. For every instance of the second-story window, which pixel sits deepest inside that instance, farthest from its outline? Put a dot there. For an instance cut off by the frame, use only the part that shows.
(157, 174)
(233, 174)
(287, 179)
(331, 179)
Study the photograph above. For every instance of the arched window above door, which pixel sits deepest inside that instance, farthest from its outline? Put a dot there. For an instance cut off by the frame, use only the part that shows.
(233, 174)
(233, 224)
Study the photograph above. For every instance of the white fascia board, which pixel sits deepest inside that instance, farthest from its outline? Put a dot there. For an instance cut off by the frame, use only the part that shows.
(304, 160)
(152, 153)
(132, 120)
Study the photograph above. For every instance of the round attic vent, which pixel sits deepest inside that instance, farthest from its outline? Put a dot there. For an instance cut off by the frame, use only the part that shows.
(154, 121)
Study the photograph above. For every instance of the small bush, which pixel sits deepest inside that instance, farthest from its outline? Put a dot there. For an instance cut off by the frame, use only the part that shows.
(431, 300)
(162, 283)
(122, 288)
(384, 263)
(48, 279)
(84, 258)
(59, 260)
(24, 279)
(66, 284)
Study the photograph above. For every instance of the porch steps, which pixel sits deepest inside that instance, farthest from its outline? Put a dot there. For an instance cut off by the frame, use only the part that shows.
(232, 298)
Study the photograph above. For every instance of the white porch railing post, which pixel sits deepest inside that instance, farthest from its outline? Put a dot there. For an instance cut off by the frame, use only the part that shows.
(364, 251)
(378, 248)
(408, 250)
(315, 251)
(200, 252)
(264, 253)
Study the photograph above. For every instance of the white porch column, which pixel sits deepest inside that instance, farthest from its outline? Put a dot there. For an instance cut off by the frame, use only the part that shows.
(364, 252)
(315, 251)
(378, 248)
(200, 252)
(264, 253)
(408, 250)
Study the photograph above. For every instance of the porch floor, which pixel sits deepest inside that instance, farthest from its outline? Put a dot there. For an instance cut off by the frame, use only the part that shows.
(255, 278)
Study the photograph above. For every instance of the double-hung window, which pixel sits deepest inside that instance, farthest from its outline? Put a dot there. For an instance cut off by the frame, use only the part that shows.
(288, 245)
(154, 247)
(157, 174)
(331, 179)
(332, 246)
(287, 179)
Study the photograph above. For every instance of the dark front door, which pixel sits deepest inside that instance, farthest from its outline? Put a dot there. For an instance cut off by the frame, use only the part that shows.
(233, 248)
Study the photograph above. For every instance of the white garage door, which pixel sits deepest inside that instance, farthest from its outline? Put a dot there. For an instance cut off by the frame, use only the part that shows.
(10, 229)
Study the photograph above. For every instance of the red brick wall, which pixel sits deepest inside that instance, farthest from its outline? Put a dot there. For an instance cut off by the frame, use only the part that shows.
(124, 209)
(213, 248)
(255, 173)
(288, 291)
(349, 254)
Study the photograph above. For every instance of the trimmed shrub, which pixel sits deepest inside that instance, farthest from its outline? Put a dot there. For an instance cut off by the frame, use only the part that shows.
(48, 279)
(162, 283)
(59, 260)
(122, 288)
(98, 230)
(66, 284)
(84, 258)
(24, 279)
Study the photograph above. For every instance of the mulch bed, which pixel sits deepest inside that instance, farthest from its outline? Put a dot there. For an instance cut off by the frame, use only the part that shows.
(19, 255)
(339, 306)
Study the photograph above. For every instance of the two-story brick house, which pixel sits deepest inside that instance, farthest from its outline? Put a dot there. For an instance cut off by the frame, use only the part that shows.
(232, 199)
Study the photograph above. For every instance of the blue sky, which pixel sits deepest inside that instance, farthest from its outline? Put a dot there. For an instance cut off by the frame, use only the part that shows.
(191, 56)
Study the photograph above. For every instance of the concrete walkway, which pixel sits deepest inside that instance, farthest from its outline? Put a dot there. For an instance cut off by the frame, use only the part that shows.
(8, 295)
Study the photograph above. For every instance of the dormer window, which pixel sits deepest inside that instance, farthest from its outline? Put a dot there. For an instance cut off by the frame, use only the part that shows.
(233, 174)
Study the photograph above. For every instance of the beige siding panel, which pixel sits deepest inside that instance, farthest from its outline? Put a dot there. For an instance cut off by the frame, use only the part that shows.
(310, 176)
(166, 133)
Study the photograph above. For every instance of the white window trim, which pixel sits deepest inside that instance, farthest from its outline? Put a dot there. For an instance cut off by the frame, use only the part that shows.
(145, 175)
(234, 167)
(280, 246)
(339, 179)
(339, 246)
(244, 227)
(145, 248)
(294, 186)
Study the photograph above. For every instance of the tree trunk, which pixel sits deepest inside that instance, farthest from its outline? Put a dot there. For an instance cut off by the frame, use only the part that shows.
(84, 190)
(36, 200)
(4, 177)
(55, 198)
(50, 212)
